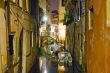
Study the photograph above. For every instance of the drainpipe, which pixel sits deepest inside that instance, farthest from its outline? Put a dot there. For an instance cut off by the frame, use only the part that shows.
(7, 30)
(37, 19)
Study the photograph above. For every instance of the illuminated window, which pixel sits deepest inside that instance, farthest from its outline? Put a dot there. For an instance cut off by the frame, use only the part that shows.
(108, 13)
(27, 5)
(20, 3)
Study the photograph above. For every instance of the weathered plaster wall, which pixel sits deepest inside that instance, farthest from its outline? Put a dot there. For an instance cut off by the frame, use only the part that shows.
(3, 51)
(97, 39)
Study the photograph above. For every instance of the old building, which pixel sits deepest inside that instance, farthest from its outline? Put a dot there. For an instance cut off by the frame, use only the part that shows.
(83, 26)
(75, 32)
(18, 35)
(3, 45)
(61, 27)
(97, 36)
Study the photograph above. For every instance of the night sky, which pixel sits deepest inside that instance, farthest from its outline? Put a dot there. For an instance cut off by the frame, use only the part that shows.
(54, 4)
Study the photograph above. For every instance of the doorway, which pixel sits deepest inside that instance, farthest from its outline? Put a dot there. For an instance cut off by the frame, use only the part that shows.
(11, 36)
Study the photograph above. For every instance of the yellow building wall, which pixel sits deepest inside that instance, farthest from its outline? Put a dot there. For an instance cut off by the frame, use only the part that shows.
(3, 48)
(21, 20)
(42, 4)
(61, 10)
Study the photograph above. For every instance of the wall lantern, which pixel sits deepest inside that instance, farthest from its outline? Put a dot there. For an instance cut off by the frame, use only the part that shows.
(45, 18)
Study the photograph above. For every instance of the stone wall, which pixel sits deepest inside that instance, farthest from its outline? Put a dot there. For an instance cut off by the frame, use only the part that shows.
(75, 36)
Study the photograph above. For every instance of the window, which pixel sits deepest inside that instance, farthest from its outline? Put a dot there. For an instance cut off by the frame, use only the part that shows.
(11, 44)
(20, 3)
(82, 7)
(90, 17)
(108, 13)
(63, 2)
(27, 5)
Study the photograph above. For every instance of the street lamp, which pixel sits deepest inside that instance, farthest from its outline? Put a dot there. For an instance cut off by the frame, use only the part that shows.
(45, 18)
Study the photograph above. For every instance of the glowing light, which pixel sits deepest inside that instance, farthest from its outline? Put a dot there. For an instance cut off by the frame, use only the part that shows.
(45, 71)
(45, 18)
(62, 32)
(52, 29)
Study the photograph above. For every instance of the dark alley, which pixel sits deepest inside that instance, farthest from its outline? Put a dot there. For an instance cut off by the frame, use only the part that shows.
(54, 36)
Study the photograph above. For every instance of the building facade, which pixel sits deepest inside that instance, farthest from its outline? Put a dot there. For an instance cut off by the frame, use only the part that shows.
(75, 33)
(3, 46)
(18, 39)
(97, 36)
(61, 26)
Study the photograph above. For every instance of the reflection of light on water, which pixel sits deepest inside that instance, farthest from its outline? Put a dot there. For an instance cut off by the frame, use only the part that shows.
(40, 63)
(62, 55)
(45, 71)
(61, 68)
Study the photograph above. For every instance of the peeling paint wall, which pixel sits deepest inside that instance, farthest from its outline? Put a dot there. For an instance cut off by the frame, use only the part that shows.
(97, 39)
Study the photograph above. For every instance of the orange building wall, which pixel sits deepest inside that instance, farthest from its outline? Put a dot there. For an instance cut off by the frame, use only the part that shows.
(98, 39)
